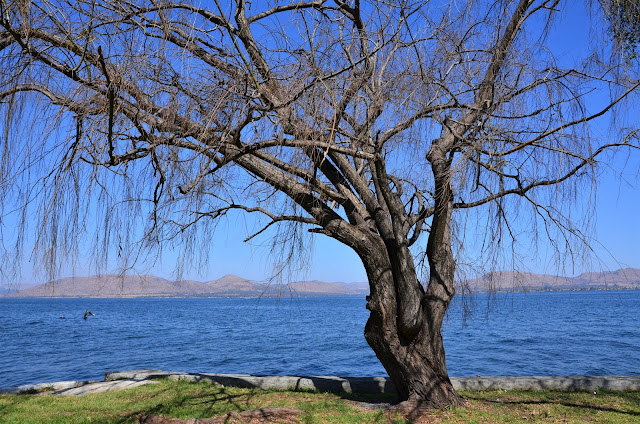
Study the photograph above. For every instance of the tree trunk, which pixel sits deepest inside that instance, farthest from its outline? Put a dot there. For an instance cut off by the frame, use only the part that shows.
(415, 363)
(417, 367)
(404, 327)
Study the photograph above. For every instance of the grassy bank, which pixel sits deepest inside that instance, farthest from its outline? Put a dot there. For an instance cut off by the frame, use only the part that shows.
(181, 399)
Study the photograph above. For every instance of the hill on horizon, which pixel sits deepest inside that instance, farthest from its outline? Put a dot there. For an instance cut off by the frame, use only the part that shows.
(110, 285)
(504, 281)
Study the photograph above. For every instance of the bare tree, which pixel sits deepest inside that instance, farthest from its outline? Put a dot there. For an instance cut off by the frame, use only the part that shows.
(379, 124)
(624, 24)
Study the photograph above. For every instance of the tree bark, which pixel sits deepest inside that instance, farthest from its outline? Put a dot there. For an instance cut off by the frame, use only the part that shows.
(404, 326)
(415, 363)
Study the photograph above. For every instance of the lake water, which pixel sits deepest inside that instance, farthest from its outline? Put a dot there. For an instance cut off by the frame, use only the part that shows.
(567, 333)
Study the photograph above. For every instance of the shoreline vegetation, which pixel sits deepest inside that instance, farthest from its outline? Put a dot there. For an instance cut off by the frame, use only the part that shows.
(180, 399)
(135, 286)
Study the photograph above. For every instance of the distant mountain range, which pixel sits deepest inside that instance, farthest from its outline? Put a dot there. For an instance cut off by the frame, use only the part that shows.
(152, 286)
(502, 281)
(234, 286)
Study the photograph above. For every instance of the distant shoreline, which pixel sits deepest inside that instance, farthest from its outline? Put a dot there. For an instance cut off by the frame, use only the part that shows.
(538, 290)
(233, 286)
(307, 296)
(182, 297)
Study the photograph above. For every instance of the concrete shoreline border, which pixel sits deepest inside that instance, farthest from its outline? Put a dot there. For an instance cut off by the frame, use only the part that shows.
(132, 378)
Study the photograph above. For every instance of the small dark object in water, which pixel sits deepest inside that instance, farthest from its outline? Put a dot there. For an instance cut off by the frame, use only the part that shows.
(63, 317)
(87, 313)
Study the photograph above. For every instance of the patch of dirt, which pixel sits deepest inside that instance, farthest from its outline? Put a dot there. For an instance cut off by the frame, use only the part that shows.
(253, 416)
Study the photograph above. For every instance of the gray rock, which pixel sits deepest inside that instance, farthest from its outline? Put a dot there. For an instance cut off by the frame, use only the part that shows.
(321, 383)
(133, 378)
(102, 387)
(77, 388)
(43, 387)
(569, 383)
(384, 385)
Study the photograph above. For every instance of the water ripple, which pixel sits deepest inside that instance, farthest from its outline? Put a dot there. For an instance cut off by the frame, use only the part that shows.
(578, 333)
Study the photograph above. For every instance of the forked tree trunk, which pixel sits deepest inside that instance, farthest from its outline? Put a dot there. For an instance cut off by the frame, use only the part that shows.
(415, 362)
(417, 367)
(404, 327)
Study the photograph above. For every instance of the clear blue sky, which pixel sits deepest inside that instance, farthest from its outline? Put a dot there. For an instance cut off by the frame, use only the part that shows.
(617, 228)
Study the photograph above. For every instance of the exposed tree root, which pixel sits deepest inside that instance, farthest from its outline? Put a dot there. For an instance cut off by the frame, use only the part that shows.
(419, 411)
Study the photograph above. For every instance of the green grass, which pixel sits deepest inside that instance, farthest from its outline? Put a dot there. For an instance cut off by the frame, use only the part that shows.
(551, 407)
(180, 399)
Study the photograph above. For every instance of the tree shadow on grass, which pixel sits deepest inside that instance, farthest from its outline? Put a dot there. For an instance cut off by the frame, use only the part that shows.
(632, 398)
(216, 404)
(381, 400)
(239, 402)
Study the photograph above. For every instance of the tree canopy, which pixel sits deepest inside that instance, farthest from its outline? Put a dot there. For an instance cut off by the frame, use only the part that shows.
(624, 24)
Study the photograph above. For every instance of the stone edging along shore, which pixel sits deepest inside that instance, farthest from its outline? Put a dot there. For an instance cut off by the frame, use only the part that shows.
(125, 379)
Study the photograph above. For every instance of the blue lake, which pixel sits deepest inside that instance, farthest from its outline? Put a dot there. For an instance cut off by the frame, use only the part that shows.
(564, 333)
